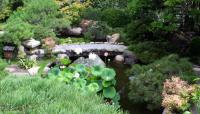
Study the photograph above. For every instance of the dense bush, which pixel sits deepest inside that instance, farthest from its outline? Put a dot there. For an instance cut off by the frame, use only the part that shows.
(43, 32)
(115, 17)
(103, 4)
(40, 17)
(17, 31)
(44, 13)
(92, 14)
(73, 8)
(97, 31)
(35, 95)
(146, 82)
(149, 51)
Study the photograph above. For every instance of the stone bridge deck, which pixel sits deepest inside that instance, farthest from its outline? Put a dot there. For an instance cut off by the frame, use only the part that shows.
(89, 48)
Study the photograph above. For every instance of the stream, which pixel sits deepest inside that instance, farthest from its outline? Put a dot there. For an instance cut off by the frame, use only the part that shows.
(122, 87)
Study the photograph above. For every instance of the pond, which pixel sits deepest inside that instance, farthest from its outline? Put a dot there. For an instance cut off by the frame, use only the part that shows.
(122, 87)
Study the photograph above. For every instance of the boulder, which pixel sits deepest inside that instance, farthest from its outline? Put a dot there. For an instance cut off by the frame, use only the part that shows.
(196, 69)
(31, 44)
(36, 52)
(33, 71)
(92, 61)
(77, 31)
(2, 33)
(21, 52)
(16, 70)
(33, 57)
(119, 58)
(62, 56)
(49, 42)
(85, 24)
(114, 38)
(129, 57)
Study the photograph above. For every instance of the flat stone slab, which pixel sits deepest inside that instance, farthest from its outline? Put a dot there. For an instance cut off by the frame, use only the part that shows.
(89, 47)
(15, 70)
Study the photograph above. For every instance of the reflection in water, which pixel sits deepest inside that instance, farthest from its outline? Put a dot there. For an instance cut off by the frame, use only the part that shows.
(122, 87)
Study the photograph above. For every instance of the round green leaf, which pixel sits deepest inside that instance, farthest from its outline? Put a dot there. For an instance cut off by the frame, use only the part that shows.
(108, 74)
(97, 70)
(80, 68)
(81, 82)
(187, 112)
(106, 83)
(109, 92)
(65, 61)
(93, 87)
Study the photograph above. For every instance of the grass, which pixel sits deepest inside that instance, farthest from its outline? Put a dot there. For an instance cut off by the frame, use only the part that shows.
(26, 95)
(72, 40)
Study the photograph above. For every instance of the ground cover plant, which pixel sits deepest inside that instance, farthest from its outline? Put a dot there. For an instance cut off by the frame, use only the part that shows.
(97, 79)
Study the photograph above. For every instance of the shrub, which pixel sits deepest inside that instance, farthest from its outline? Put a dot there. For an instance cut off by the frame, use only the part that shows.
(92, 14)
(43, 32)
(103, 4)
(17, 31)
(73, 8)
(177, 94)
(115, 17)
(97, 31)
(44, 13)
(36, 95)
(149, 51)
(43, 16)
(146, 82)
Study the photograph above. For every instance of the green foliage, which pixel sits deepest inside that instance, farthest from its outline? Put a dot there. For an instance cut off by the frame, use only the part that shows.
(37, 19)
(17, 31)
(44, 13)
(97, 31)
(96, 79)
(149, 51)
(65, 61)
(35, 95)
(146, 82)
(43, 32)
(72, 8)
(1, 51)
(115, 17)
(173, 2)
(71, 40)
(92, 14)
(109, 3)
(3, 65)
(187, 112)
(5, 9)
(26, 63)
